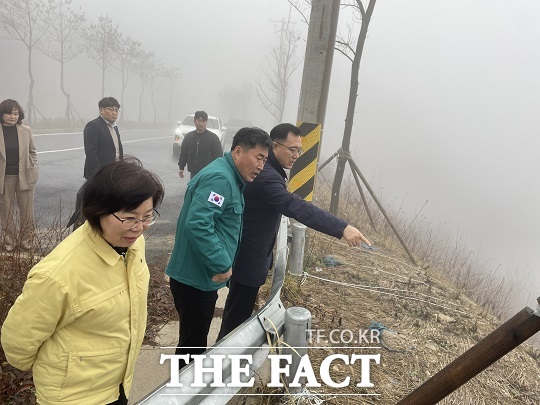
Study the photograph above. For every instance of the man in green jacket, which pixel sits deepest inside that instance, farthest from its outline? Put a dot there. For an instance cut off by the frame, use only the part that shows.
(208, 234)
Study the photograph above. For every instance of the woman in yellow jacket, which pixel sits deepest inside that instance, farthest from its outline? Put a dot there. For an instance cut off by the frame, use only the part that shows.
(80, 320)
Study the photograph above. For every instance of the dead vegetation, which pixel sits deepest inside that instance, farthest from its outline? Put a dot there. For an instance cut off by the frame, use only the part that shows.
(428, 323)
(431, 313)
(16, 386)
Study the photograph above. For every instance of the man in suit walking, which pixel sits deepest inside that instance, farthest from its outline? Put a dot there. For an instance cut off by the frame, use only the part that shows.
(102, 145)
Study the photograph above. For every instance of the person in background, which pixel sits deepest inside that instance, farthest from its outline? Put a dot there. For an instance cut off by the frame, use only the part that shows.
(267, 199)
(81, 317)
(199, 147)
(208, 234)
(102, 145)
(18, 176)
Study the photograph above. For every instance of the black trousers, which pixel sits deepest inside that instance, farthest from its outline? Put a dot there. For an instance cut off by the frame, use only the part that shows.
(122, 400)
(195, 309)
(238, 307)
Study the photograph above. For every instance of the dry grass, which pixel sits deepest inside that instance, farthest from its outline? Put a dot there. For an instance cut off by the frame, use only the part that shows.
(432, 323)
(436, 310)
(16, 386)
(432, 247)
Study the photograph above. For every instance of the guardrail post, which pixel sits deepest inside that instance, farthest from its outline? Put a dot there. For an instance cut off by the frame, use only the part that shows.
(296, 258)
(295, 335)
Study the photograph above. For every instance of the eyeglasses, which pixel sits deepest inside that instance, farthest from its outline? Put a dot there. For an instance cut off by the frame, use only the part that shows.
(113, 109)
(294, 151)
(130, 223)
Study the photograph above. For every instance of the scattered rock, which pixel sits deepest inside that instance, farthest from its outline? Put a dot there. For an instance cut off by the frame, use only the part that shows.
(441, 318)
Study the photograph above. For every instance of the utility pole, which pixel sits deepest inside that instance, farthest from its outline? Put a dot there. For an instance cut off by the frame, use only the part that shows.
(312, 106)
(314, 95)
(314, 92)
(318, 61)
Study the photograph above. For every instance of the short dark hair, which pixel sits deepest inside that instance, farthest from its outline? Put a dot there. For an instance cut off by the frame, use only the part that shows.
(7, 106)
(200, 114)
(108, 102)
(121, 185)
(250, 137)
(281, 131)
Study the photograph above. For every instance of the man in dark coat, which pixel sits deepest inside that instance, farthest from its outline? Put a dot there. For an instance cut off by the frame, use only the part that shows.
(199, 147)
(266, 199)
(102, 145)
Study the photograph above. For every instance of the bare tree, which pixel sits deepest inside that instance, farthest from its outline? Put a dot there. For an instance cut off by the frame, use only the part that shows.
(22, 20)
(353, 52)
(100, 40)
(127, 50)
(281, 66)
(172, 76)
(237, 99)
(302, 7)
(142, 65)
(351, 47)
(65, 26)
(155, 75)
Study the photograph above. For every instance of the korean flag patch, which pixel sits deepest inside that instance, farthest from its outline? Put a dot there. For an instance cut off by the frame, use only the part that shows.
(215, 198)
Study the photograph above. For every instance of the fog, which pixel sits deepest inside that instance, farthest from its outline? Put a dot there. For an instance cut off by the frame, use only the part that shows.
(447, 108)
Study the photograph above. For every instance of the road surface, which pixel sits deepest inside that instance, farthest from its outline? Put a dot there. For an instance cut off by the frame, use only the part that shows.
(61, 161)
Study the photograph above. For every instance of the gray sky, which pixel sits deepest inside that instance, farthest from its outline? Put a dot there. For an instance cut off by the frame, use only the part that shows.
(447, 108)
(448, 112)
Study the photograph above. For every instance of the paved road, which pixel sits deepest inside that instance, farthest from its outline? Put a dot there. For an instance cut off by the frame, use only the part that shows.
(61, 162)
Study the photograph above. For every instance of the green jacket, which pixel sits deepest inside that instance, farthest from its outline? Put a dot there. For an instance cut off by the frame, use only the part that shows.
(209, 227)
(80, 320)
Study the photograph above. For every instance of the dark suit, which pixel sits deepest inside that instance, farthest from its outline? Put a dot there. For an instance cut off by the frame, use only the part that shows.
(100, 150)
(98, 147)
(266, 199)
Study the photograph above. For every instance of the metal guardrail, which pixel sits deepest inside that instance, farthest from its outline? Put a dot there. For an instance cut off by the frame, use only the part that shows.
(248, 339)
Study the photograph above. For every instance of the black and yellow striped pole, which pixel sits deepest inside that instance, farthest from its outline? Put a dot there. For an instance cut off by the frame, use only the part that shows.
(302, 175)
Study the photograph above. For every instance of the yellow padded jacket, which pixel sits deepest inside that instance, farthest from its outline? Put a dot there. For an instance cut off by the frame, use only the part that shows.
(80, 320)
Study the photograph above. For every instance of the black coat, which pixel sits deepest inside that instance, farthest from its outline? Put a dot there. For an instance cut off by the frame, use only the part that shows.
(98, 147)
(266, 199)
(197, 150)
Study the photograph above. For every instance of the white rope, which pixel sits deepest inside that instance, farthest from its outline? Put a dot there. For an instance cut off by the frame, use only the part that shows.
(401, 290)
(392, 274)
(373, 252)
(304, 397)
(374, 289)
(386, 257)
(395, 275)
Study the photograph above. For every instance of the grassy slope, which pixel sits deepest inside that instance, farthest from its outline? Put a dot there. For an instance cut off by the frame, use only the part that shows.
(432, 323)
